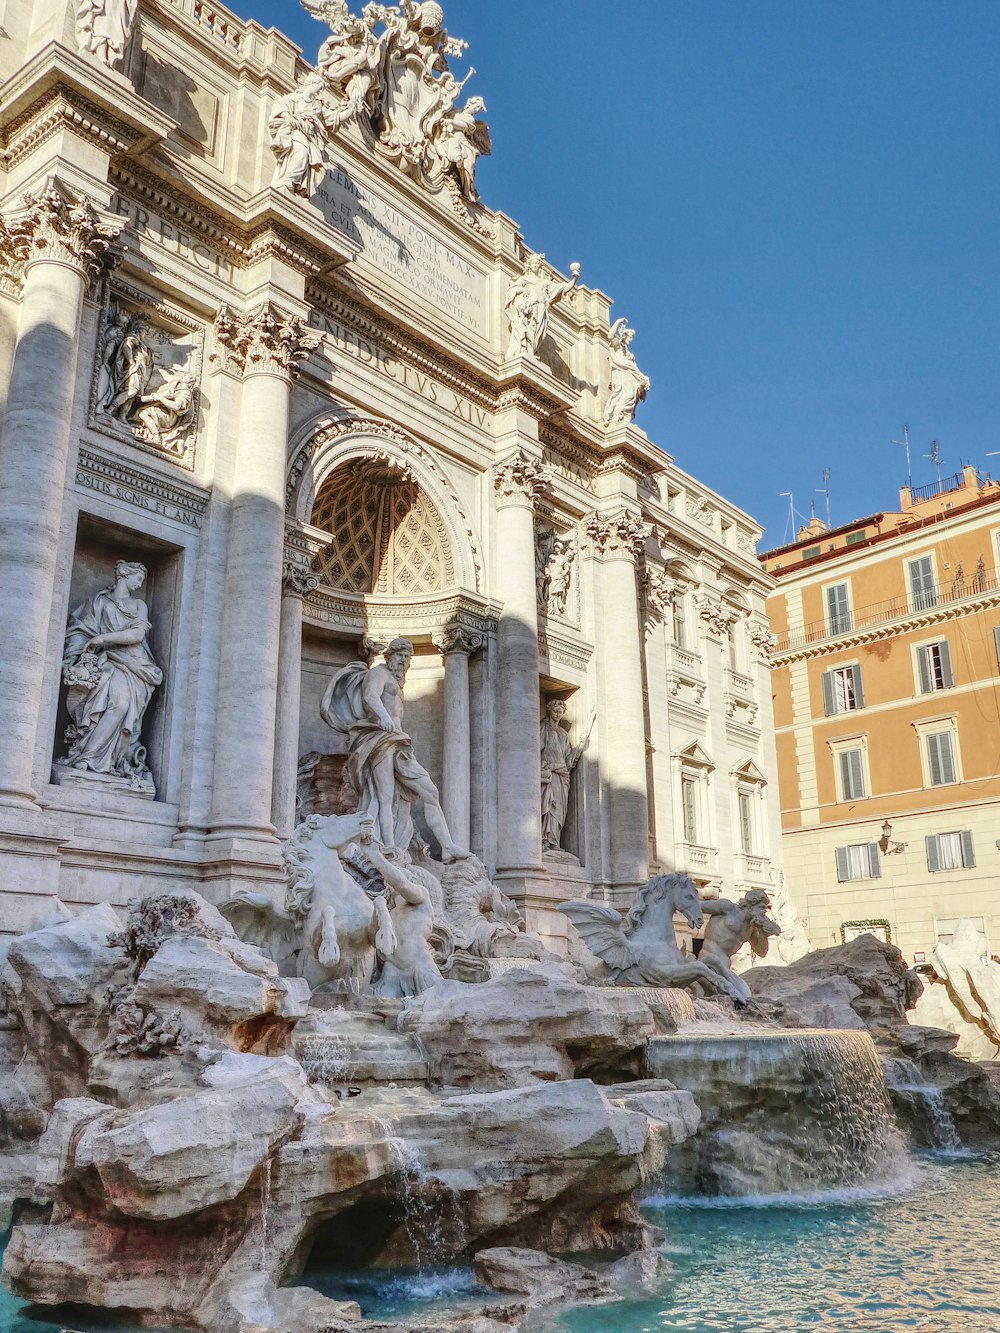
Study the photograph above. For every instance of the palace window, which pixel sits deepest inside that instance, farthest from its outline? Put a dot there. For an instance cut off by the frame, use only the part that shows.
(851, 769)
(923, 591)
(838, 609)
(689, 805)
(858, 860)
(842, 690)
(679, 620)
(934, 667)
(939, 755)
(950, 851)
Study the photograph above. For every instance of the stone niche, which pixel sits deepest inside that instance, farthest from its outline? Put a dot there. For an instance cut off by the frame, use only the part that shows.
(574, 841)
(99, 546)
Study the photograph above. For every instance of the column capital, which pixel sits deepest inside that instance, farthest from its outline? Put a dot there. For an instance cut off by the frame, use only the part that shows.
(519, 479)
(716, 615)
(621, 535)
(458, 639)
(764, 640)
(268, 341)
(297, 579)
(55, 226)
(658, 590)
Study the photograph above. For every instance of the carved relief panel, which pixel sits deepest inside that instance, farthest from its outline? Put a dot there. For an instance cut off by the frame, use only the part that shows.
(147, 374)
(557, 572)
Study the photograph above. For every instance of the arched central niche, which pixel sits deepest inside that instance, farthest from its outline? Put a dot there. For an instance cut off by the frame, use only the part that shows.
(388, 536)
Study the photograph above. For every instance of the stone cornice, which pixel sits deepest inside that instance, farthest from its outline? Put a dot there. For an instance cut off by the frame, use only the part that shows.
(383, 618)
(146, 490)
(268, 341)
(876, 633)
(553, 647)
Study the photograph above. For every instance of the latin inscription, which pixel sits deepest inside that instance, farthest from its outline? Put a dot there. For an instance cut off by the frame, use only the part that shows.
(370, 353)
(404, 251)
(174, 238)
(94, 474)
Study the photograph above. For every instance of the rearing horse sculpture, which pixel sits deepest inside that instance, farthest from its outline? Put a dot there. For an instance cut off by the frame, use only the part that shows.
(641, 948)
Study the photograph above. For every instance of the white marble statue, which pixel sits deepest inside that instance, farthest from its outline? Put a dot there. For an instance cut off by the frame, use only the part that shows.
(530, 297)
(103, 28)
(364, 706)
(163, 416)
(458, 141)
(629, 385)
(559, 757)
(299, 130)
(554, 556)
(478, 913)
(111, 675)
(125, 368)
(732, 925)
(409, 967)
(641, 948)
(348, 60)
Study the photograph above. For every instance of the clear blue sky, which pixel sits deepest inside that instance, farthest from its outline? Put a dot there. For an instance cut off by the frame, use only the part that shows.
(795, 203)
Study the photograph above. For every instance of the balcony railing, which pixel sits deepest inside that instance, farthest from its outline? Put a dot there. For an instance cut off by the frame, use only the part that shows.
(753, 869)
(694, 858)
(961, 589)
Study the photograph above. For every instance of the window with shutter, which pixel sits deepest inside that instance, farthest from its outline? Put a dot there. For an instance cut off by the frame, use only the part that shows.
(968, 851)
(842, 690)
(950, 851)
(934, 667)
(852, 775)
(933, 859)
(843, 869)
(859, 693)
(838, 610)
(996, 641)
(923, 593)
(859, 860)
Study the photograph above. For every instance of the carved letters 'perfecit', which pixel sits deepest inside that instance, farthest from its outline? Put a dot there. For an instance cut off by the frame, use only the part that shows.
(268, 341)
(52, 225)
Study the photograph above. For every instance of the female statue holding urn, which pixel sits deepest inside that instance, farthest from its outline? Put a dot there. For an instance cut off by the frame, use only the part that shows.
(111, 676)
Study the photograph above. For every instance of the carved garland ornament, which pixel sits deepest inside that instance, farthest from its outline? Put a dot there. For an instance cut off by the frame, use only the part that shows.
(53, 226)
(267, 341)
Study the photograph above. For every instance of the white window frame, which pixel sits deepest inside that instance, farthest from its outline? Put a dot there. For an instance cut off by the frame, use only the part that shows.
(933, 726)
(679, 614)
(933, 848)
(827, 618)
(749, 783)
(911, 598)
(917, 650)
(694, 765)
(838, 747)
(857, 686)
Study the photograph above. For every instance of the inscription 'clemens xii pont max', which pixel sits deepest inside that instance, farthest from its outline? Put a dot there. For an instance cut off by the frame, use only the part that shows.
(405, 252)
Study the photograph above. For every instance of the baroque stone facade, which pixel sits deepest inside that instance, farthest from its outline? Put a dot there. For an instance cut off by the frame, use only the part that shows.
(262, 338)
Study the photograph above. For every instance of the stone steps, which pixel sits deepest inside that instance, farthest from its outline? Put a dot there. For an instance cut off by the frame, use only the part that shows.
(339, 1047)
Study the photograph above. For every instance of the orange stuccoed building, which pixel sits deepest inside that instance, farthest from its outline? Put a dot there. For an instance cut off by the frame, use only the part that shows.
(886, 681)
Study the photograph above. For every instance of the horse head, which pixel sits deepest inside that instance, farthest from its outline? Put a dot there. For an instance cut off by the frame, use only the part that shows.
(686, 900)
(676, 893)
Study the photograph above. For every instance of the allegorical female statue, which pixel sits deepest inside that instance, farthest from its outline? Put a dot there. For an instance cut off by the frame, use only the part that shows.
(111, 676)
(559, 757)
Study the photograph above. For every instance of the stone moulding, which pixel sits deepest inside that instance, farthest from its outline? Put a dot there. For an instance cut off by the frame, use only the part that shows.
(384, 617)
(156, 495)
(559, 648)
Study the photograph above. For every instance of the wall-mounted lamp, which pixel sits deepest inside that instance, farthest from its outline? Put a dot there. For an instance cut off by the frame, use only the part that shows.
(885, 846)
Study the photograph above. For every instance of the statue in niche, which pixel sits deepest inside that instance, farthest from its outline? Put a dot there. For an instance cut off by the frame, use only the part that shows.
(126, 366)
(164, 416)
(103, 28)
(111, 675)
(364, 706)
(640, 949)
(559, 757)
(553, 571)
(299, 129)
(530, 297)
(731, 926)
(629, 385)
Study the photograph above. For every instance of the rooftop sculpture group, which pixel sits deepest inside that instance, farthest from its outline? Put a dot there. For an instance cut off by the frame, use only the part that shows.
(386, 72)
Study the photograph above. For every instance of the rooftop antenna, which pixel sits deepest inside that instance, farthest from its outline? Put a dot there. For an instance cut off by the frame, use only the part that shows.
(787, 495)
(825, 490)
(935, 457)
(904, 443)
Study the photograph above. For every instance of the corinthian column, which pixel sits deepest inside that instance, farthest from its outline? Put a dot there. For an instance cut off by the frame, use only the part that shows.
(457, 644)
(265, 348)
(56, 244)
(518, 479)
(617, 541)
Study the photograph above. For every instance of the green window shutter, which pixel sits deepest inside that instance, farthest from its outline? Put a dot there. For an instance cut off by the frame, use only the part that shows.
(874, 860)
(947, 758)
(934, 758)
(859, 691)
(843, 869)
(968, 851)
(852, 777)
(946, 673)
(996, 641)
(924, 671)
(828, 704)
(933, 861)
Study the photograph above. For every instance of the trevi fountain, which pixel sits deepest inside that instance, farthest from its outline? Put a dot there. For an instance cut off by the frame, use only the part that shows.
(395, 930)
